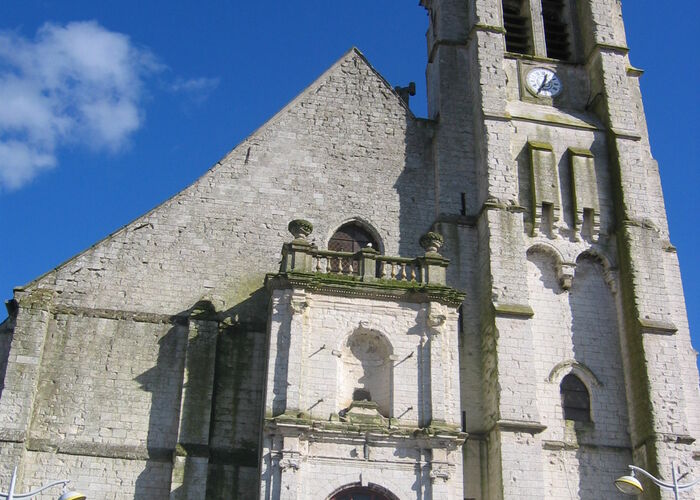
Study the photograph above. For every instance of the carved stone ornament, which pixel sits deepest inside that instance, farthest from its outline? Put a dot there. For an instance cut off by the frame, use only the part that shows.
(431, 242)
(300, 228)
(440, 473)
(298, 305)
(565, 272)
(288, 463)
(436, 320)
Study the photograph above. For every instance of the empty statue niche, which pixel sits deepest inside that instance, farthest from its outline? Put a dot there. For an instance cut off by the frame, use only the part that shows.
(366, 374)
(588, 228)
(547, 225)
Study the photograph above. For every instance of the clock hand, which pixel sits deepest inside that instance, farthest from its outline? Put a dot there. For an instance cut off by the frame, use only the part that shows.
(543, 85)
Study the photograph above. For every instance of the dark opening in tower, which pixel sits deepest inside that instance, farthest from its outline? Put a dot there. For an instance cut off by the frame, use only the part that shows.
(516, 21)
(556, 29)
(575, 400)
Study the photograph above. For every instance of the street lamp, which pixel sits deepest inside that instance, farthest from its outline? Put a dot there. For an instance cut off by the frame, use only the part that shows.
(66, 495)
(630, 485)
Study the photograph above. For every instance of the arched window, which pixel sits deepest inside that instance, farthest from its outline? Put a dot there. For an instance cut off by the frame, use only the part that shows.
(575, 400)
(351, 237)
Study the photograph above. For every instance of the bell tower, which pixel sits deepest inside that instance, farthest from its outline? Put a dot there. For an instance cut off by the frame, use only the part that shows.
(575, 351)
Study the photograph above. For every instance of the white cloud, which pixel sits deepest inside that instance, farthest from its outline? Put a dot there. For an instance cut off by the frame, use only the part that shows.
(205, 85)
(73, 84)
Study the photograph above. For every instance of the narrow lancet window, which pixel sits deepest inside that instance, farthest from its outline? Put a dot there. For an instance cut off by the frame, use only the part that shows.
(556, 29)
(516, 21)
(575, 400)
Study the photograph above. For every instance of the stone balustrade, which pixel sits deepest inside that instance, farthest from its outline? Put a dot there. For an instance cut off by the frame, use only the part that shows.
(300, 256)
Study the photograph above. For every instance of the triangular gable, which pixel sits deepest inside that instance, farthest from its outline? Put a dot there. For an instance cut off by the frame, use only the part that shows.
(310, 89)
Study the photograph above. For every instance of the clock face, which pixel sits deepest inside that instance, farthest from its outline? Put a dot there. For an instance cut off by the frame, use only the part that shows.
(543, 82)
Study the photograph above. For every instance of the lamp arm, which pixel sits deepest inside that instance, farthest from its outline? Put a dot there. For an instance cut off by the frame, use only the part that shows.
(39, 490)
(656, 481)
(689, 485)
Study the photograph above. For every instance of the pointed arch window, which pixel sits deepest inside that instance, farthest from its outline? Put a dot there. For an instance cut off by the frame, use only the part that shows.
(575, 400)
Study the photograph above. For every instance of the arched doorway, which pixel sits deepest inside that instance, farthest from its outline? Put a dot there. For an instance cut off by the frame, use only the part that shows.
(362, 493)
(352, 237)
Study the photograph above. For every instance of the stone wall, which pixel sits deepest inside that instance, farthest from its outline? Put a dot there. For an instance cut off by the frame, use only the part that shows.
(115, 353)
(109, 384)
(316, 441)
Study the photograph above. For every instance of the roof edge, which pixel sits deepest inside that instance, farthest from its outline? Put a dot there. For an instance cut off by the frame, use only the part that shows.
(309, 88)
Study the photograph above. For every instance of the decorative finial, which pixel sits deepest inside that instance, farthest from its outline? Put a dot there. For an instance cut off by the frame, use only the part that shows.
(300, 228)
(431, 242)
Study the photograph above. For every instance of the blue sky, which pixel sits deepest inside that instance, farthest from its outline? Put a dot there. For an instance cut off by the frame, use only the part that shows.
(89, 147)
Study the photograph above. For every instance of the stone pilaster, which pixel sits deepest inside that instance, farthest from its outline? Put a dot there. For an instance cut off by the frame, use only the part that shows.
(22, 376)
(654, 348)
(191, 460)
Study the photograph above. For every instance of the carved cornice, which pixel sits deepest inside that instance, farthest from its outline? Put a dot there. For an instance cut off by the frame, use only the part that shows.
(308, 429)
(407, 291)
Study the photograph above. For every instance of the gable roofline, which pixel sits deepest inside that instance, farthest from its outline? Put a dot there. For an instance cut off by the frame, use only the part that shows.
(315, 84)
(353, 51)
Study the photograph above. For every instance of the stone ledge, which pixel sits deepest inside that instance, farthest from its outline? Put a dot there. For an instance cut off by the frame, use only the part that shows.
(12, 436)
(103, 450)
(343, 431)
(664, 437)
(529, 427)
(407, 291)
(562, 445)
(140, 317)
(513, 310)
(657, 327)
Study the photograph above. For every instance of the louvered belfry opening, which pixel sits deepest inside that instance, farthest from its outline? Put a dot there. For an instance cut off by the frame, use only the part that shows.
(556, 29)
(518, 28)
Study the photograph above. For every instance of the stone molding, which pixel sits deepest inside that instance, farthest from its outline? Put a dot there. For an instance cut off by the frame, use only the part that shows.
(379, 289)
(656, 327)
(513, 310)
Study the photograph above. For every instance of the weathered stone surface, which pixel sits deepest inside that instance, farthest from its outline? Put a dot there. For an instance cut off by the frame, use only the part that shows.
(138, 367)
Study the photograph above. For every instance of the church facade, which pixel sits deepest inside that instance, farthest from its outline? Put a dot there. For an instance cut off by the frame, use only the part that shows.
(359, 303)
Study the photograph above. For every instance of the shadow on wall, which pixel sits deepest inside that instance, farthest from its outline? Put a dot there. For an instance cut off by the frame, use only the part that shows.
(163, 418)
(598, 470)
(416, 188)
(208, 426)
(7, 328)
(596, 344)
